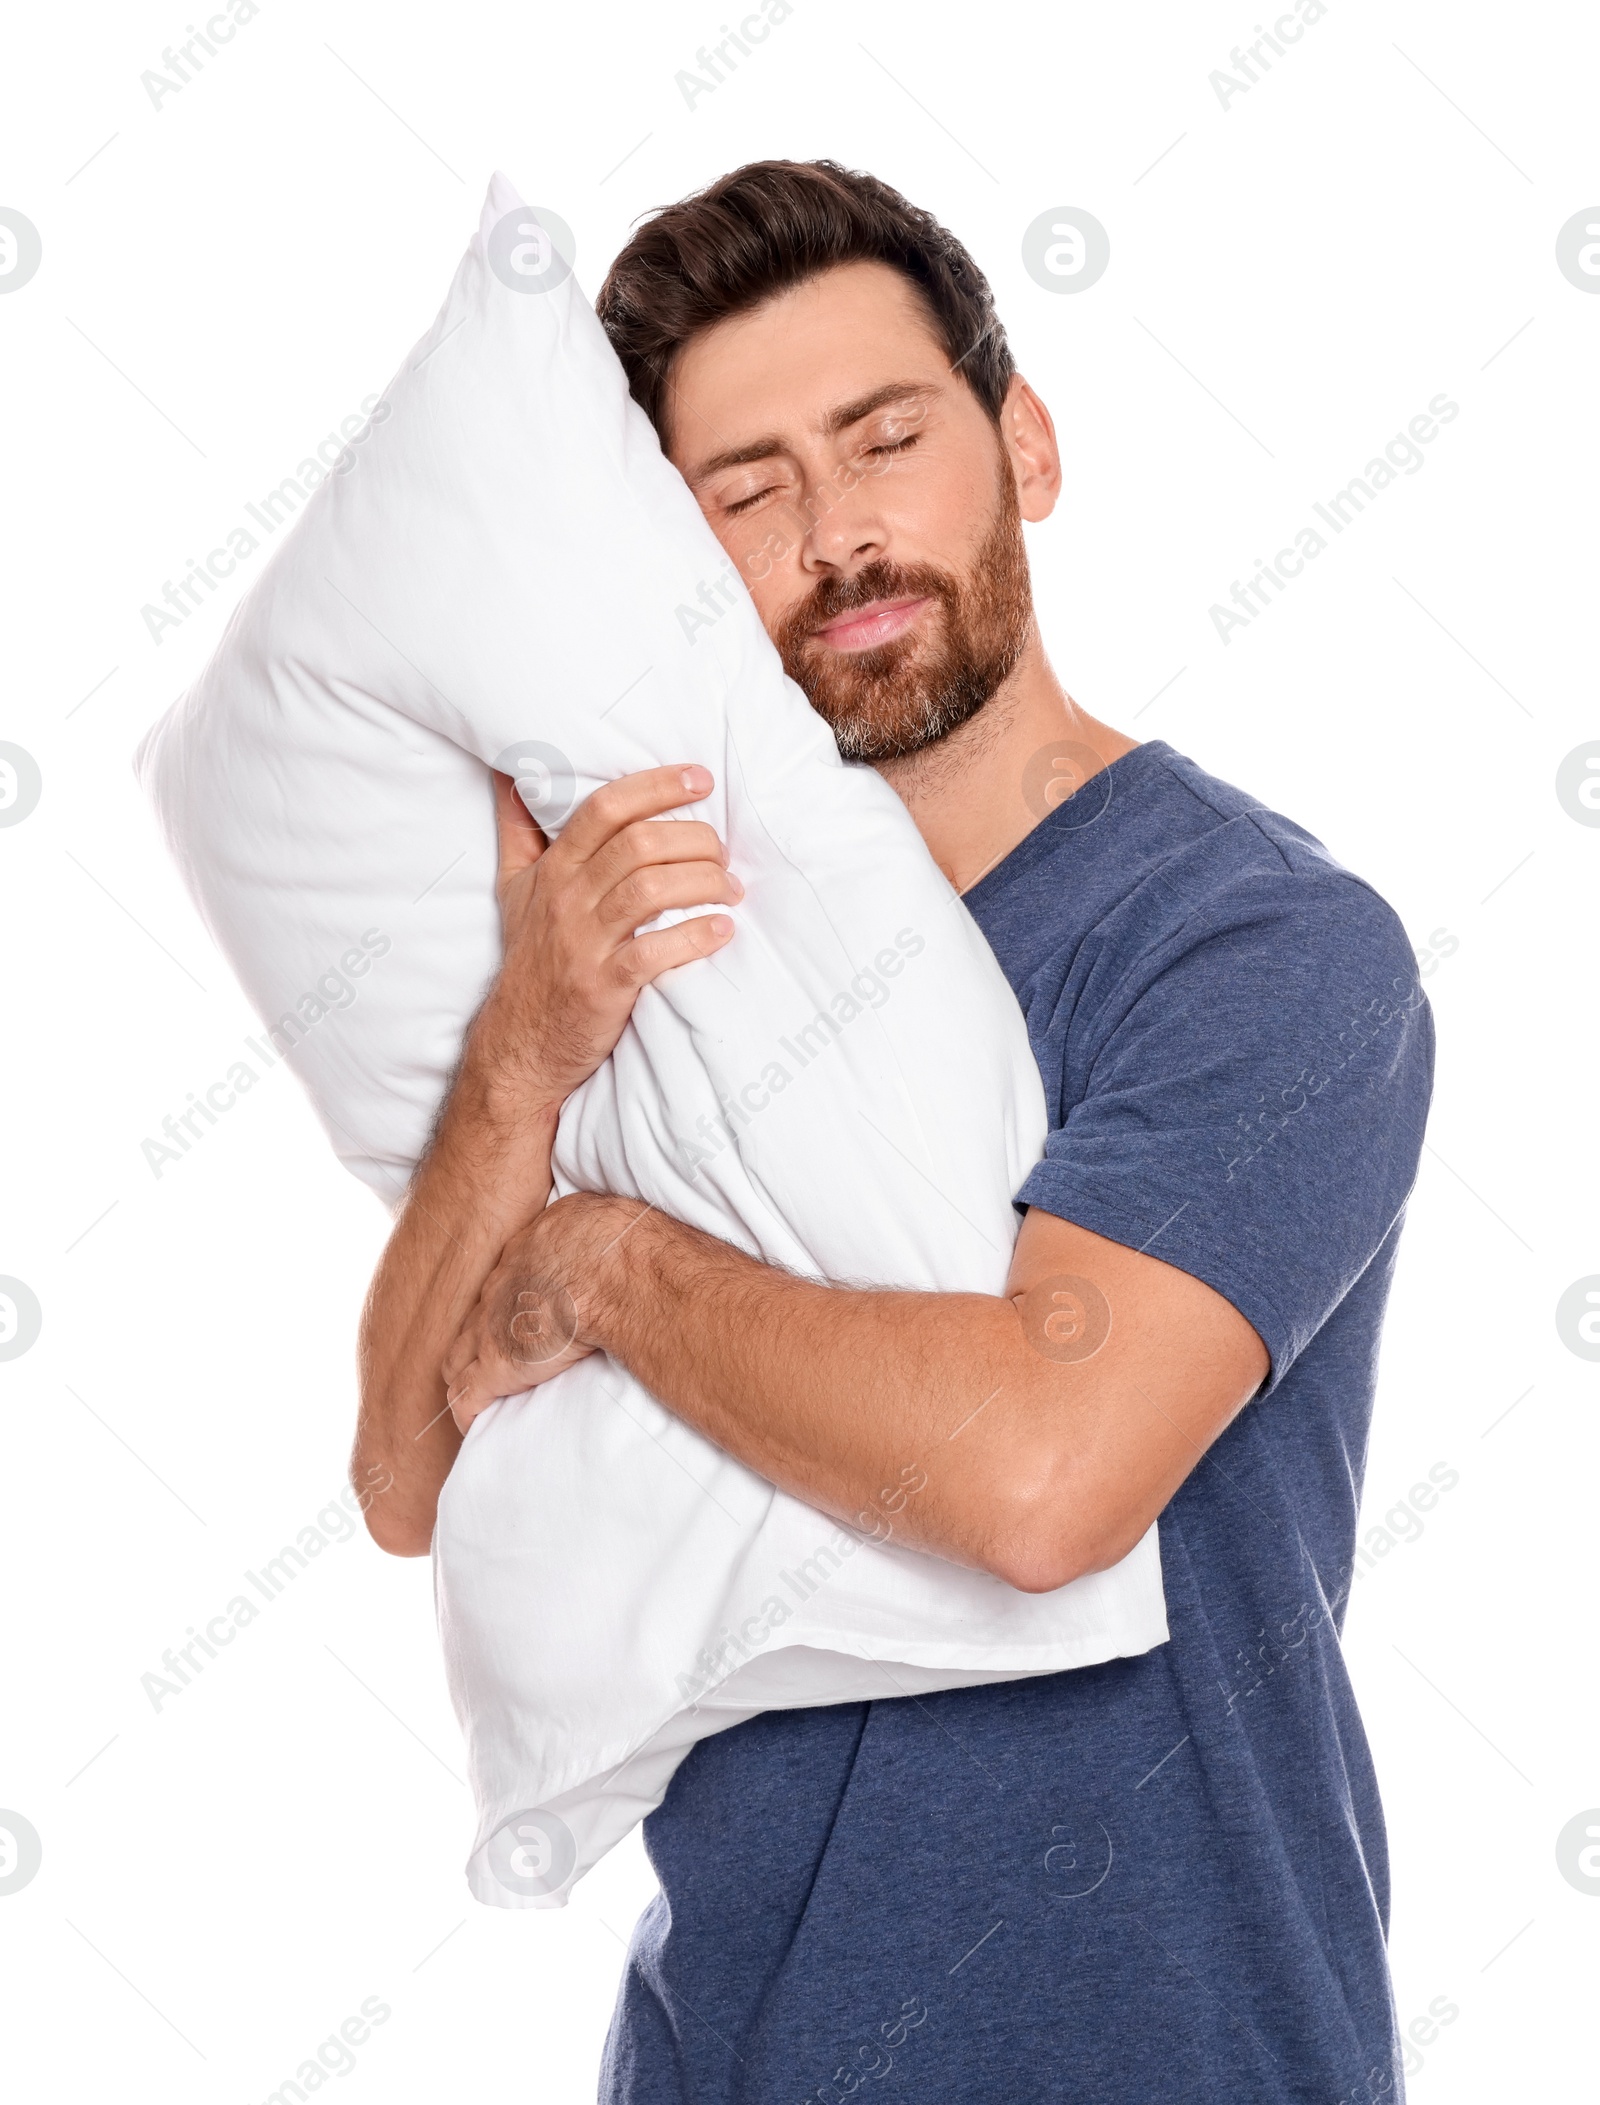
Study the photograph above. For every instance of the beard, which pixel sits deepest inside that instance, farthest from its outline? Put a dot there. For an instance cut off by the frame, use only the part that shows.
(905, 695)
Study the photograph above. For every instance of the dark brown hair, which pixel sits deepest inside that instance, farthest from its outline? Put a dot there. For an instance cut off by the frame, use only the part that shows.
(769, 226)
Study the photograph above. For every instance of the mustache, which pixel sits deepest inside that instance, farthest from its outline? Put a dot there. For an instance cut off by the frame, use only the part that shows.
(833, 596)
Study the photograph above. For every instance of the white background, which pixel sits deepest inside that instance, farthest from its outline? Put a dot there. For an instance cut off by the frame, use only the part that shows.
(1292, 279)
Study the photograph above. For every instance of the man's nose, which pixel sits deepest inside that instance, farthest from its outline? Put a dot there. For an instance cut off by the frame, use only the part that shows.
(846, 532)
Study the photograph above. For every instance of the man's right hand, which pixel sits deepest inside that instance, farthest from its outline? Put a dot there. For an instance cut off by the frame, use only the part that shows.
(572, 971)
(573, 965)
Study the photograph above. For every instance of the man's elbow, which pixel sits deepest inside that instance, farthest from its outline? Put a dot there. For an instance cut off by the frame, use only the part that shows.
(1039, 1567)
(400, 1538)
(1046, 1541)
(398, 1530)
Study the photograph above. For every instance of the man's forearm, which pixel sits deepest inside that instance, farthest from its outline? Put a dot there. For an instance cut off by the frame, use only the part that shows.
(866, 1404)
(572, 968)
(486, 1174)
(1035, 1435)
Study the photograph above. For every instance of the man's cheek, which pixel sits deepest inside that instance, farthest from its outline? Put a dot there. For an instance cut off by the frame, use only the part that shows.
(759, 564)
(766, 560)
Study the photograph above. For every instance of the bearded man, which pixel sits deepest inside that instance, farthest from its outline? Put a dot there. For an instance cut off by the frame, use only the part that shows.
(1160, 1878)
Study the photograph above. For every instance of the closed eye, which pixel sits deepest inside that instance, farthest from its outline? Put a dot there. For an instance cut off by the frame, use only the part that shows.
(890, 446)
(745, 503)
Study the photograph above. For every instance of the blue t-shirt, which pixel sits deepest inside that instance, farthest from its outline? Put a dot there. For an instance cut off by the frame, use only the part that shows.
(1163, 1879)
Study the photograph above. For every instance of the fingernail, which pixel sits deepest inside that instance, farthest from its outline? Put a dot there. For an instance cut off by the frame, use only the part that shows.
(737, 887)
(721, 925)
(697, 779)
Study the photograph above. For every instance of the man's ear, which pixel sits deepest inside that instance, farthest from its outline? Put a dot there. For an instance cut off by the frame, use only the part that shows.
(1029, 439)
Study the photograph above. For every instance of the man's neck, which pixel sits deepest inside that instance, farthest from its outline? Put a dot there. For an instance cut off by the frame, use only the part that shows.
(983, 789)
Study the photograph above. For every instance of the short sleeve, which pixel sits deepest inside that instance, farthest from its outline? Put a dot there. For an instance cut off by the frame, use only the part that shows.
(1250, 1105)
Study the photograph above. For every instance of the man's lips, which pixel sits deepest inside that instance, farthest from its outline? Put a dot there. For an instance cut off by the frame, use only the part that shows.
(863, 628)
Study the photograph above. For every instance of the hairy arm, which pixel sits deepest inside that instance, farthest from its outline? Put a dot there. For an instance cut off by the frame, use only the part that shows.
(572, 971)
(486, 1173)
(1034, 1435)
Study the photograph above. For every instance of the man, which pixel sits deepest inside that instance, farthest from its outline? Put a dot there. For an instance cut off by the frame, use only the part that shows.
(1161, 1878)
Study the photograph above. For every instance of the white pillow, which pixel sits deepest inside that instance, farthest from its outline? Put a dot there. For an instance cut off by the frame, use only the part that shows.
(846, 1090)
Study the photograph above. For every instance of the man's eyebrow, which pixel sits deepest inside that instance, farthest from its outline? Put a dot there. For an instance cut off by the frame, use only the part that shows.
(736, 457)
(849, 413)
(833, 423)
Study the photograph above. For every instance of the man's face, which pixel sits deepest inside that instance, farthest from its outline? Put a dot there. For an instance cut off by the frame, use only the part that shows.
(869, 504)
